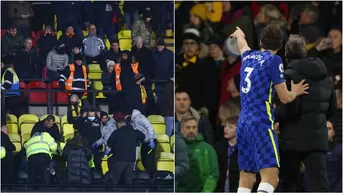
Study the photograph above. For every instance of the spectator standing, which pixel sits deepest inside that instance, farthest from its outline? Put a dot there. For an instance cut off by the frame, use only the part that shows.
(183, 108)
(141, 123)
(108, 125)
(114, 53)
(12, 42)
(143, 28)
(74, 77)
(21, 12)
(303, 132)
(93, 45)
(7, 163)
(67, 14)
(27, 62)
(204, 171)
(168, 106)
(43, 14)
(45, 43)
(227, 150)
(107, 18)
(10, 81)
(89, 126)
(70, 38)
(56, 61)
(131, 14)
(78, 154)
(167, 8)
(124, 158)
(38, 152)
(114, 100)
(163, 70)
(76, 108)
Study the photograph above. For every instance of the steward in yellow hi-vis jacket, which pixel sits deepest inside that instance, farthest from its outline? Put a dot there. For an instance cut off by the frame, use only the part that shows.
(38, 152)
(2, 152)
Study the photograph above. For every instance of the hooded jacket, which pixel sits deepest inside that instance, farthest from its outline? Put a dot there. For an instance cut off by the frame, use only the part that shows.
(203, 171)
(141, 123)
(106, 131)
(303, 122)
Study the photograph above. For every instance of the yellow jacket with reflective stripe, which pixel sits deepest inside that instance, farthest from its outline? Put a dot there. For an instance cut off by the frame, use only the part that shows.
(42, 143)
(2, 152)
(75, 112)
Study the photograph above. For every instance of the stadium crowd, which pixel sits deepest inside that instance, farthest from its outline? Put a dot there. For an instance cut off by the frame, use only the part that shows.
(91, 53)
(207, 78)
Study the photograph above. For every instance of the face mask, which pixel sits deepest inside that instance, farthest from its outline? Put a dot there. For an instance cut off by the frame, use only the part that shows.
(91, 118)
(61, 50)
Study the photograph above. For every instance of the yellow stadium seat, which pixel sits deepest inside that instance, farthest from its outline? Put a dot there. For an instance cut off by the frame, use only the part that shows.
(165, 166)
(94, 68)
(14, 137)
(17, 146)
(64, 120)
(68, 129)
(125, 44)
(124, 34)
(85, 32)
(166, 156)
(153, 35)
(156, 119)
(163, 138)
(69, 136)
(93, 76)
(159, 128)
(169, 41)
(27, 118)
(163, 147)
(24, 138)
(169, 33)
(55, 22)
(100, 95)
(57, 118)
(171, 48)
(139, 165)
(26, 128)
(12, 128)
(59, 33)
(11, 119)
(97, 85)
(172, 140)
(107, 43)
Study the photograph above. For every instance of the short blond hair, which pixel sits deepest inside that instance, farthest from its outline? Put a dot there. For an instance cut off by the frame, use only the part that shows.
(187, 118)
(229, 112)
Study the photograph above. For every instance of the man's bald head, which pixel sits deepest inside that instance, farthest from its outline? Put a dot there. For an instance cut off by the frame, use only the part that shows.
(92, 29)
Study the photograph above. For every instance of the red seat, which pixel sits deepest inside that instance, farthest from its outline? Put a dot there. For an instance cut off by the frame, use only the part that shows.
(3, 32)
(22, 85)
(59, 97)
(37, 97)
(44, 75)
(23, 95)
(34, 42)
(33, 34)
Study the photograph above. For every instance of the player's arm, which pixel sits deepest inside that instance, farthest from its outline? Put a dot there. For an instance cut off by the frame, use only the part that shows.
(241, 41)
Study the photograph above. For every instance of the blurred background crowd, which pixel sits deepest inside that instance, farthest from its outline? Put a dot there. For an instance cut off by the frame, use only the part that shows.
(207, 71)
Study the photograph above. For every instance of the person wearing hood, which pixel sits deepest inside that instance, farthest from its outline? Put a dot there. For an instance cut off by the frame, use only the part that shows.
(107, 126)
(203, 171)
(10, 81)
(141, 123)
(56, 61)
(303, 133)
(109, 84)
(74, 77)
(143, 28)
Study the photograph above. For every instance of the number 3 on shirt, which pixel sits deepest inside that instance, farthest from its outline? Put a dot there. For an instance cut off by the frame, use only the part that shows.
(248, 70)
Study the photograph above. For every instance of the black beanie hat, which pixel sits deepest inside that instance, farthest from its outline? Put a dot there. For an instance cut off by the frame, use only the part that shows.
(102, 114)
(78, 57)
(192, 34)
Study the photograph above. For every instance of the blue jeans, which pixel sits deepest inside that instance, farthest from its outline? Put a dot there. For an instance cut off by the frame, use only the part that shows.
(167, 8)
(128, 19)
(110, 31)
(169, 125)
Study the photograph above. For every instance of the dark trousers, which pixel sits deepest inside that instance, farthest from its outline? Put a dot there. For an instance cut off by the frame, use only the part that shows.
(97, 159)
(13, 105)
(8, 171)
(148, 157)
(315, 166)
(122, 169)
(38, 166)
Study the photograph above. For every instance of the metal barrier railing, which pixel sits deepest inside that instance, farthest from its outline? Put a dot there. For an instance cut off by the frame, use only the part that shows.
(93, 91)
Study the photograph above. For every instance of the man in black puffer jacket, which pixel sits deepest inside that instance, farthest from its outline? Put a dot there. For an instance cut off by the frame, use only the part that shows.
(303, 132)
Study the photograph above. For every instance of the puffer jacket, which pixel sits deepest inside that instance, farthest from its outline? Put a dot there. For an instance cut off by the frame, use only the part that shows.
(93, 46)
(56, 61)
(141, 123)
(78, 169)
(106, 131)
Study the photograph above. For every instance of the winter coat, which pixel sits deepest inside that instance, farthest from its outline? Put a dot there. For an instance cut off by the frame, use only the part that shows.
(16, 9)
(78, 156)
(143, 29)
(203, 171)
(93, 46)
(56, 62)
(45, 44)
(146, 61)
(106, 131)
(108, 82)
(332, 61)
(90, 130)
(28, 62)
(70, 42)
(168, 99)
(303, 122)
(181, 156)
(10, 44)
(141, 123)
(334, 167)
(164, 64)
(53, 131)
(104, 12)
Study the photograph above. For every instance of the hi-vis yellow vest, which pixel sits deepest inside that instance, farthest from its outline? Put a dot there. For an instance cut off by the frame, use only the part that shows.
(75, 112)
(40, 143)
(2, 152)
